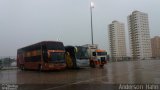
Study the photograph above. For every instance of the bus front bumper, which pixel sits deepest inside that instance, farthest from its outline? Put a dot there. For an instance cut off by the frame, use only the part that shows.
(54, 66)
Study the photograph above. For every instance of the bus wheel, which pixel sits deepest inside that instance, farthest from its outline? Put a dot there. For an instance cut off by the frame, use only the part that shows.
(22, 67)
(101, 65)
(92, 65)
(40, 67)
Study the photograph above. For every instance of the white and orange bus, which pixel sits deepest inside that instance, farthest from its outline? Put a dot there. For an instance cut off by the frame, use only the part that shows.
(45, 55)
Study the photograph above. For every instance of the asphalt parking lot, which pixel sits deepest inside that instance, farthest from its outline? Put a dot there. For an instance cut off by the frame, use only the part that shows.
(110, 77)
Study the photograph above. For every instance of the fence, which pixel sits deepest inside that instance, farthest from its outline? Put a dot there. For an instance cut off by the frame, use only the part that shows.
(116, 59)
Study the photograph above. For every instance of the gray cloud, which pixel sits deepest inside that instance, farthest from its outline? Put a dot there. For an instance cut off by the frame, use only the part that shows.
(23, 22)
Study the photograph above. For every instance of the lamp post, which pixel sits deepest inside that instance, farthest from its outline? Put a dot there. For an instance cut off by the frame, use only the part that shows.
(91, 6)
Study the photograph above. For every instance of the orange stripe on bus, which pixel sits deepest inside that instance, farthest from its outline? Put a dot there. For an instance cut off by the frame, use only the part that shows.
(56, 51)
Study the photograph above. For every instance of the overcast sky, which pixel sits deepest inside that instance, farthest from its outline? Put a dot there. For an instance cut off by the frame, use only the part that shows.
(24, 22)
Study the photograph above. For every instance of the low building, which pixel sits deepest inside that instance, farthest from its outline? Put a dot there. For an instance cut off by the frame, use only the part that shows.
(155, 43)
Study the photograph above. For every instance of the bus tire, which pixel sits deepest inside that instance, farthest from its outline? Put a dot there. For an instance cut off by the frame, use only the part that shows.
(40, 67)
(101, 65)
(92, 64)
(22, 67)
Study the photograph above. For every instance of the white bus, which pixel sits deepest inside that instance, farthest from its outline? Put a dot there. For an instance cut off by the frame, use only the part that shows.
(76, 57)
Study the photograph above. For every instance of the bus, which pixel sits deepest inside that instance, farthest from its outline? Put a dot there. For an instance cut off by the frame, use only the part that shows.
(76, 57)
(45, 55)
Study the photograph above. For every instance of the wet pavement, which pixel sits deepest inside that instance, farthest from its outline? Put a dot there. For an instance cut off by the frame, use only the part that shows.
(114, 73)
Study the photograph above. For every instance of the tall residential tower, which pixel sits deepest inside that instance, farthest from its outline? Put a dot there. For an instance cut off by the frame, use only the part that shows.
(139, 35)
(116, 33)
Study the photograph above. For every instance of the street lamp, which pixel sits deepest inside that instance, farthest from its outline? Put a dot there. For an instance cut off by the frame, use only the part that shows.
(91, 6)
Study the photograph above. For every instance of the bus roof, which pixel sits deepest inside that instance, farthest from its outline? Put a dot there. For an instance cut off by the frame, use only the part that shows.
(39, 43)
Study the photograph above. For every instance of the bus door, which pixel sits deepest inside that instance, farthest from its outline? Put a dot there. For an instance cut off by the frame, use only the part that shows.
(70, 57)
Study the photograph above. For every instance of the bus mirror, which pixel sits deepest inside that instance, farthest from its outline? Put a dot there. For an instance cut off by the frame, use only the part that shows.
(49, 55)
(67, 53)
(75, 49)
(94, 53)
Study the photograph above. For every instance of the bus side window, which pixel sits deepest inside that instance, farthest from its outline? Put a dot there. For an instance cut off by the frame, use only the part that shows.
(44, 52)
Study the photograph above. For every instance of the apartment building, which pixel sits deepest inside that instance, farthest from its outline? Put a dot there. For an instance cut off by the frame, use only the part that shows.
(139, 35)
(116, 33)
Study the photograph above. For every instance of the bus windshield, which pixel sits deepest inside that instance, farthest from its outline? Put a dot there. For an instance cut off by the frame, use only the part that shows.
(82, 53)
(101, 53)
(55, 46)
(57, 56)
(54, 56)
